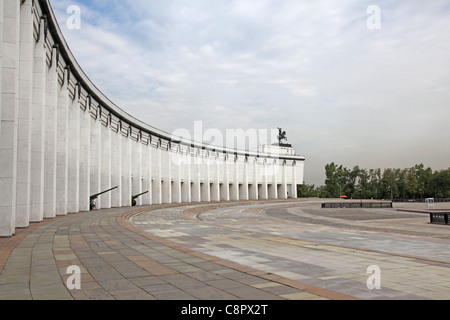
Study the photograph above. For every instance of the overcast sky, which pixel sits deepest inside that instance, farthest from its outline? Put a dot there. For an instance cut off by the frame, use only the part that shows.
(374, 97)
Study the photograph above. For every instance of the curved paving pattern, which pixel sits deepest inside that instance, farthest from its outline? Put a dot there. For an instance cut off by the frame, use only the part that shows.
(228, 251)
(119, 261)
(323, 248)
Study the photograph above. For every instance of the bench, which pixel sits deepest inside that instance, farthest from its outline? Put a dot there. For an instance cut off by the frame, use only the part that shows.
(439, 217)
(357, 204)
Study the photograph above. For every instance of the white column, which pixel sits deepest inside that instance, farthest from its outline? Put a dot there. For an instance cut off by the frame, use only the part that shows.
(264, 194)
(156, 176)
(73, 198)
(146, 175)
(105, 165)
(283, 190)
(234, 188)
(8, 115)
(126, 172)
(95, 161)
(242, 186)
(272, 171)
(204, 169)
(62, 160)
(294, 181)
(253, 179)
(244, 191)
(299, 172)
(185, 162)
(116, 169)
(175, 164)
(136, 151)
(38, 128)
(195, 176)
(166, 188)
(225, 190)
(85, 159)
(215, 191)
(23, 190)
(50, 138)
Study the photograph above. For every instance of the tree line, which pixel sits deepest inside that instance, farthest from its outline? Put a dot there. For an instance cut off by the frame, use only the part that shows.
(416, 182)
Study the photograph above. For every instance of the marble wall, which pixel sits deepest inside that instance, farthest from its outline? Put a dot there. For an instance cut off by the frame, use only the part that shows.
(62, 140)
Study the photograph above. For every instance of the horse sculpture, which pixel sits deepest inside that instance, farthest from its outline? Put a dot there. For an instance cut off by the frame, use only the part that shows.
(282, 136)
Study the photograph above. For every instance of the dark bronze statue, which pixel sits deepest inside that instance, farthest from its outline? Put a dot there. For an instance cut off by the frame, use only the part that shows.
(281, 136)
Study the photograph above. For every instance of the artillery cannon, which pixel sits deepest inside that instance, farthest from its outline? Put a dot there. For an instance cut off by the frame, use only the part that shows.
(133, 198)
(95, 196)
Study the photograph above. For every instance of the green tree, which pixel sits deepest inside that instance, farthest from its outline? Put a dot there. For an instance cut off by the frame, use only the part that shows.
(307, 191)
(364, 183)
(401, 182)
(352, 188)
(424, 180)
(374, 189)
(415, 182)
(441, 184)
(412, 185)
(333, 181)
(389, 184)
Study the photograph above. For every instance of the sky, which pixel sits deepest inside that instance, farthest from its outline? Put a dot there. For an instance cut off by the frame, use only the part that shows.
(353, 82)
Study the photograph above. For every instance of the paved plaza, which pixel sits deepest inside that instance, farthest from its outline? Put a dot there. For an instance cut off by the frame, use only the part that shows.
(267, 250)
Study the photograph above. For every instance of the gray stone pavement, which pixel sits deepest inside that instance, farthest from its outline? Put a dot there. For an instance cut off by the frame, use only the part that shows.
(325, 248)
(229, 251)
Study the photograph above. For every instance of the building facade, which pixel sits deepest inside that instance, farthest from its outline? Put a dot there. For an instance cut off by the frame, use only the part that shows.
(63, 141)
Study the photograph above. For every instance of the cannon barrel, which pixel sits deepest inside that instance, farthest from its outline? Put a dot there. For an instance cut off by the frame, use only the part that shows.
(138, 195)
(95, 196)
(133, 198)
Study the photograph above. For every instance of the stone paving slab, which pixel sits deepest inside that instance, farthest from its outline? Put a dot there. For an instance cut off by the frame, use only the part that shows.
(413, 256)
(118, 261)
(209, 252)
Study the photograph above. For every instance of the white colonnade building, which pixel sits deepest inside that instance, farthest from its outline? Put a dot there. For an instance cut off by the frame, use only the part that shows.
(63, 141)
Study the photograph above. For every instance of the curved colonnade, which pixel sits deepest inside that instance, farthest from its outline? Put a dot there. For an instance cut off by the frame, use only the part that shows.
(62, 140)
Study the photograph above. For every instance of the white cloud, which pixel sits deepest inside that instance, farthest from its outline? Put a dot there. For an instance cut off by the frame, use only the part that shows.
(342, 92)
